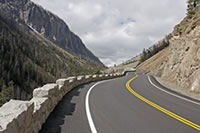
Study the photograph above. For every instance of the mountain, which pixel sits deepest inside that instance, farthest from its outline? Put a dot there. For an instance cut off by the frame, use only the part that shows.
(179, 63)
(29, 60)
(47, 24)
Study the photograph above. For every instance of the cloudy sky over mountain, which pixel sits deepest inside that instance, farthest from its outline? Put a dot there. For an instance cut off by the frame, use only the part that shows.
(117, 30)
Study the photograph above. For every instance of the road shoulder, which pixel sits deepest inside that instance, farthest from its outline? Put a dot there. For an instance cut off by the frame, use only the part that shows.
(172, 88)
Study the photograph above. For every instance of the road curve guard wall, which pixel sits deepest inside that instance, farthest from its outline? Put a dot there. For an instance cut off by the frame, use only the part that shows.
(28, 116)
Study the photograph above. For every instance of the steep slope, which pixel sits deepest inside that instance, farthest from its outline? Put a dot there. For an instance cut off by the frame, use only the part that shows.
(154, 62)
(47, 24)
(29, 61)
(181, 65)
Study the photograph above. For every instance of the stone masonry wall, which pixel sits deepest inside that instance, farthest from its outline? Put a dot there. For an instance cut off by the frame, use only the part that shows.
(28, 116)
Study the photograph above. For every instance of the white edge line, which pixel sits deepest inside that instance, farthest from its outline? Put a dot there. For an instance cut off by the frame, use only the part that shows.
(87, 107)
(172, 93)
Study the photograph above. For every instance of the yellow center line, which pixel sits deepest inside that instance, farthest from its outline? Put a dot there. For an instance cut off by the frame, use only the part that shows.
(173, 115)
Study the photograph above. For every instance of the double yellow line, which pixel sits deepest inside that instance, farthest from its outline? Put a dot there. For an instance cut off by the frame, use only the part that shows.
(173, 115)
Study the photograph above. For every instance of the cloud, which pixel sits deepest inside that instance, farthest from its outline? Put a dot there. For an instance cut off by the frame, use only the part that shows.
(116, 30)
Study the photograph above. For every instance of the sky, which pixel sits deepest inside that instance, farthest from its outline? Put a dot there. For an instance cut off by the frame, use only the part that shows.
(117, 30)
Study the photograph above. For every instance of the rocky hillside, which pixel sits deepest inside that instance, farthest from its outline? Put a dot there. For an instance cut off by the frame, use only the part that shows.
(181, 61)
(47, 24)
(29, 60)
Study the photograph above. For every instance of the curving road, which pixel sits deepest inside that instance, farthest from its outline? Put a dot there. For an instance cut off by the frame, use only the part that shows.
(134, 103)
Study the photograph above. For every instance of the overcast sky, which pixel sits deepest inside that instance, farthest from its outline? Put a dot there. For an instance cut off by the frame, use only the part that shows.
(117, 30)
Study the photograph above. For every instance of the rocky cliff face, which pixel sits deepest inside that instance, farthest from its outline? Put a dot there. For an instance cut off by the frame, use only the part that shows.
(47, 24)
(182, 63)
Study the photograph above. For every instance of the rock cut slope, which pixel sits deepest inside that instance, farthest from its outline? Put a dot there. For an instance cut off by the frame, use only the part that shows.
(181, 62)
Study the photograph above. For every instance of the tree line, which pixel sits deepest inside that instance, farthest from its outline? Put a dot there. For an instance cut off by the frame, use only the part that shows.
(148, 53)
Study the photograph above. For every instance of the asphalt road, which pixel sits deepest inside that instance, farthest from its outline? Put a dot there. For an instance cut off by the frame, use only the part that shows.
(129, 104)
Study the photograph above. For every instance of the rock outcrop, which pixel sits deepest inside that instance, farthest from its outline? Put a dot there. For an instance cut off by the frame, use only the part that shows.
(47, 24)
(181, 65)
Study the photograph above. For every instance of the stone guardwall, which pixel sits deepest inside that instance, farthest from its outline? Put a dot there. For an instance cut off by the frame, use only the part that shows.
(28, 116)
